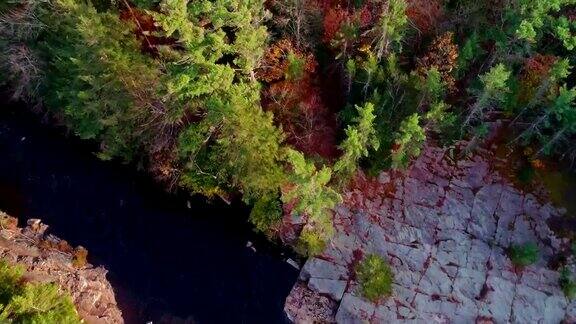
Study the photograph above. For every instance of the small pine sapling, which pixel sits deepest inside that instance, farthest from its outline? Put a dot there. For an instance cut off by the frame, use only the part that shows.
(375, 277)
(409, 141)
(523, 255)
(567, 283)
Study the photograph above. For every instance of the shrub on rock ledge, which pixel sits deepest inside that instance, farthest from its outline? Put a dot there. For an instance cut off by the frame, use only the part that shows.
(375, 277)
(523, 255)
(567, 284)
(29, 302)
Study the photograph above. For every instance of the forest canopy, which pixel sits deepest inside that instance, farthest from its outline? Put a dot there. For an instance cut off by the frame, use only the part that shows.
(286, 101)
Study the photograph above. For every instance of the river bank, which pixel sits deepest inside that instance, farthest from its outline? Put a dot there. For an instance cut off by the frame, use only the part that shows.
(48, 259)
(167, 255)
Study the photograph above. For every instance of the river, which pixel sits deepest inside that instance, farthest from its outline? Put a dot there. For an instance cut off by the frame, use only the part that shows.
(168, 255)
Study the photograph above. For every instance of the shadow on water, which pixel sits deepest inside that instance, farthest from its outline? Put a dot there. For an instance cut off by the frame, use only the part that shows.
(162, 257)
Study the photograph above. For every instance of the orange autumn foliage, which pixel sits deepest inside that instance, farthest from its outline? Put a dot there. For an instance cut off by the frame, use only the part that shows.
(275, 61)
(334, 18)
(443, 55)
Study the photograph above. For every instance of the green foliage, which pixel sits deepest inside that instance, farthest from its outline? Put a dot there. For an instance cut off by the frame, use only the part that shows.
(104, 87)
(32, 302)
(9, 281)
(311, 243)
(173, 86)
(470, 51)
(359, 139)
(495, 81)
(395, 96)
(432, 89)
(236, 144)
(442, 121)
(312, 196)
(375, 277)
(567, 283)
(560, 70)
(390, 28)
(523, 255)
(205, 47)
(562, 114)
(266, 213)
(494, 90)
(95, 75)
(555, 123)
(539, 17)
(409, 141)
(296, 67)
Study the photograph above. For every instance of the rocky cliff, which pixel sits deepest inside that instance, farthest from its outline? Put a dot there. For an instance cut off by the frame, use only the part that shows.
(47, 258)
(444, 226)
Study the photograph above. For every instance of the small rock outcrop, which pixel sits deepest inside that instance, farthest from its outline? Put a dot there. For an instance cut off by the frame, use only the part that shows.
(444, 226)
(47, 258)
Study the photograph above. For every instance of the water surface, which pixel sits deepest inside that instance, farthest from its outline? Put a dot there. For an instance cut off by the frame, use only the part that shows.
(164, 258)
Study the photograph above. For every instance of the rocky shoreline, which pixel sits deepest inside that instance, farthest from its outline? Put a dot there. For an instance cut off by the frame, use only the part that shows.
(47, 258)
(444, 226)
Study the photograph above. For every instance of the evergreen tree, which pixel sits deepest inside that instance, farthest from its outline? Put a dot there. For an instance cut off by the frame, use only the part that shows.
(409, 141)
(389, 29)
(312, 196)
(266, 213)
(556, 123)
(235, 145)
(494, 89)
(541, 16)
(359, 139)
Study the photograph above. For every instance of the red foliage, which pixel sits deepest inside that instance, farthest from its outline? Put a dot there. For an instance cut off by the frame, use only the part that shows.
(309, 125)
(367, 15)
(534, 71)
(316, 128)
(296, 103)
(336, 15)
(424, 14)
(334, 18)
(362, 189)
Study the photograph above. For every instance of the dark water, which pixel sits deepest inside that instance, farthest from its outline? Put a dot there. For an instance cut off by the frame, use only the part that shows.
(163, 258)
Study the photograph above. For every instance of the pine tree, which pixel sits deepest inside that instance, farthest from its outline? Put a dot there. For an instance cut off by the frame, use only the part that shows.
(494, 88)
(266, 213)
(389, 30)
(409, 141)
(248, 146)
(235, 146)
(360, 138)
(95, 77)
(312, 196)
(541, 16)
(558, 120)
